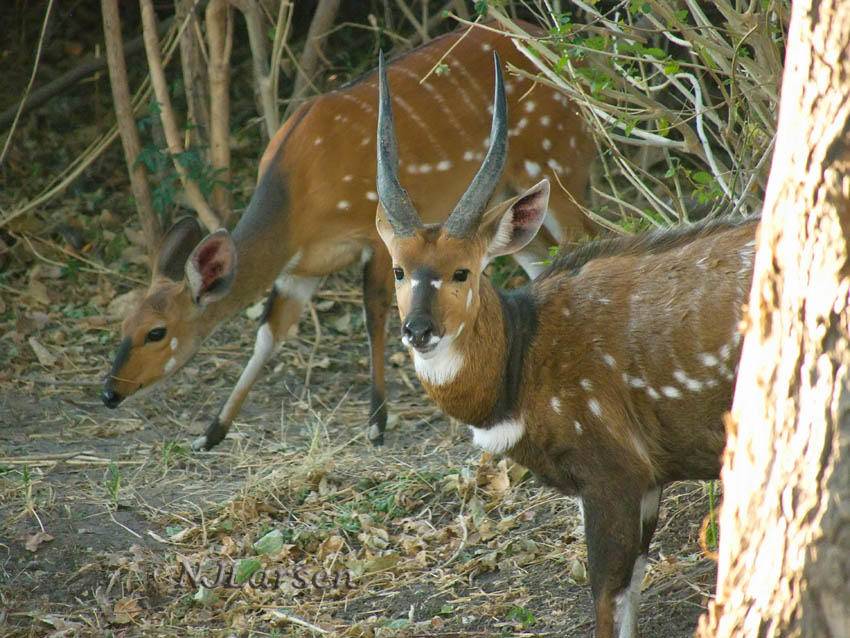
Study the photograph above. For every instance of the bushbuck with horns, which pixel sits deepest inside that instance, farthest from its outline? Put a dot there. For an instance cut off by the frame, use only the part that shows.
(607, 376)
(313, 212)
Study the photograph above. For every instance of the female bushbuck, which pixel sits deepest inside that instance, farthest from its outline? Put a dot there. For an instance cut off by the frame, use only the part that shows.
(313, 212)
(607, 376)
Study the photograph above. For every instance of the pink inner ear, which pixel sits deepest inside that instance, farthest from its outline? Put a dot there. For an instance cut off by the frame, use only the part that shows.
(525, 210)
(212, 263)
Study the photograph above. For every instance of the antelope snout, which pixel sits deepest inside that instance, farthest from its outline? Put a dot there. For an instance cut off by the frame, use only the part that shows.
(418, 332)
(111, 399)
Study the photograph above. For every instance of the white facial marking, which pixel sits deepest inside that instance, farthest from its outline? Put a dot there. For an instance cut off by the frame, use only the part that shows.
(626, 603)
(174, 344)
(468, 298)
(587, 384)
(343, 204)
(436, 283)
(459, 330)
(546, 144)
(529, 106)
(556, 405)
(532, 168)
(594, 406)
(444, 165)
(670, 392)
(499, 438)
(372, 196)
(170, 365)
(578, 427)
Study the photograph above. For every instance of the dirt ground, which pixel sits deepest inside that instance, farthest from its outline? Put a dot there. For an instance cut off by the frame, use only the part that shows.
(98, 507)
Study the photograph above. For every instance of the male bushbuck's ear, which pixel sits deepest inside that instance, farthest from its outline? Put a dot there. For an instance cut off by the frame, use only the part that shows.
(211, 267)
(175, 248)
(508, 230)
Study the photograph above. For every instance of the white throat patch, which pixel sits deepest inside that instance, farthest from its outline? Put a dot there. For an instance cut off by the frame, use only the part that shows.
(441, 365)
(499, 438)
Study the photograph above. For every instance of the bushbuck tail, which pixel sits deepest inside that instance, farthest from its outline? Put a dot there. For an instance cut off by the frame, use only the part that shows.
(313, 212)
(607, 376)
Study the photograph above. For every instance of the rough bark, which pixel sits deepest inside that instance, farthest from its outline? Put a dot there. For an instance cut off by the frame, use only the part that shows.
(127, 124)
(195, 77)
(784, 555)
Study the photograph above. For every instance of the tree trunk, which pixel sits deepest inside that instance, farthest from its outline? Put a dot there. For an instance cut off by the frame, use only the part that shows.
(784, 555)
(127, 124)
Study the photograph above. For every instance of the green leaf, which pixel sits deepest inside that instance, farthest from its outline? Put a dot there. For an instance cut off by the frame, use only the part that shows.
(245, 568)
(701, 177)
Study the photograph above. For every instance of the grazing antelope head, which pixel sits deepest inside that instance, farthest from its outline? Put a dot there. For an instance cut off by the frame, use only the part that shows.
(607, 376)
(163, 332)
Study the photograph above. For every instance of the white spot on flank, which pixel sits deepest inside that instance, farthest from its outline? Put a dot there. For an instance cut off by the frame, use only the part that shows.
(555, 166)
(594, 406)
(572, 141)
(485, 47)
(468, 156)
(566, 311)
(318, 141)
(498, 438)
(545, 120)
(170, 365)
(425, 168)
(708, 360)
(365, 141)
(610, 361)
(174, 344)
(486, 142)
(691, 384)
(578, 428)
(532, 168)
(459, 330)
(509, 88)
(522, 123)
(653, 393)
(670, 392)
(725, 351)
(529, 106)
(444, 165)
(347, 178)
(546, 144)
(372, 196)
(587, 384)
(556, 405)
(343, 204)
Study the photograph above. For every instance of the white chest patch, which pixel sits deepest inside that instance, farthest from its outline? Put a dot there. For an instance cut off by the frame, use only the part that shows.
(440, 366)
(499, 438)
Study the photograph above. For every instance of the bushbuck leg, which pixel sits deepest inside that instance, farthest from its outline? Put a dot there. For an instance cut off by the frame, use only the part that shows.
(378, 291)
(283, 308)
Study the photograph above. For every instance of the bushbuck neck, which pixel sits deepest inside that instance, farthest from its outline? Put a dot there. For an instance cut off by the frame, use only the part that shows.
(607, 376)
(312, 213)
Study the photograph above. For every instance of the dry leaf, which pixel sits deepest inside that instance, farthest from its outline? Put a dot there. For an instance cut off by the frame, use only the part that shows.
(38, 291)
(45, 357)
(330, 545)
(34, 541)
(121, 305)
(126, 610)
(398, 358)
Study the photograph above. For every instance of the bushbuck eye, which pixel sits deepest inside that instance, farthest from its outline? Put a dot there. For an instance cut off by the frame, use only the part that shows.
(157, 334)
(460, 275)
(399, 274)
